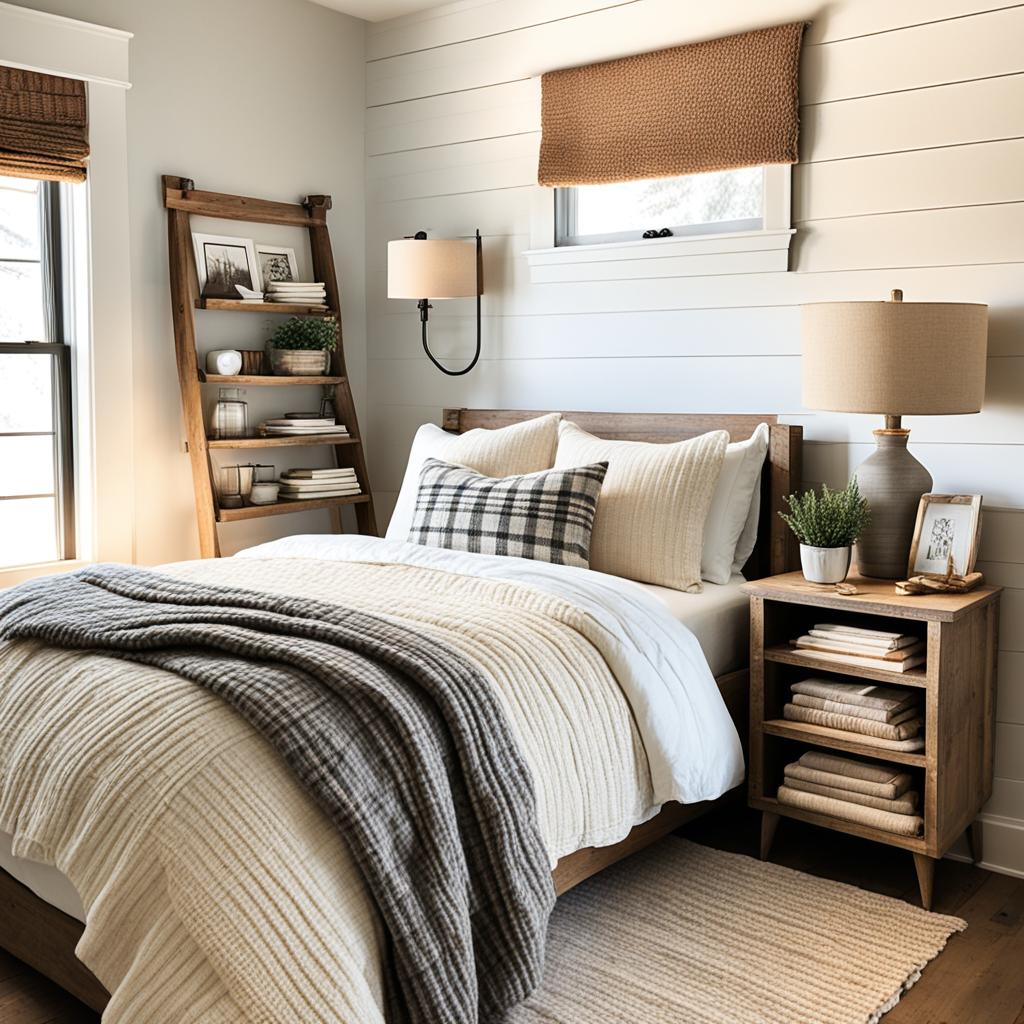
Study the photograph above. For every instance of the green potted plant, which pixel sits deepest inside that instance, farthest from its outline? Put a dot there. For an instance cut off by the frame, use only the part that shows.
(302, 346)
(827, 524)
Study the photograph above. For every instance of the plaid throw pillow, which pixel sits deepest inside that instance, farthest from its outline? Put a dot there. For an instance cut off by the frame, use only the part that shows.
(547, 516)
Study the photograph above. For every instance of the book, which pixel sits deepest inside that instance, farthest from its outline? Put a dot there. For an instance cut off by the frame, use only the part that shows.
(860, 661)
(300, 431)
(865, 642)
(317, 474)
(301, 420)
(811, 643)
(318, 485)
(306, 495)
(856, 632)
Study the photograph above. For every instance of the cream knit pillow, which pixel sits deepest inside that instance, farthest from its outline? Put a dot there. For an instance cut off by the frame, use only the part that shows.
(526, 447)
(650, 517)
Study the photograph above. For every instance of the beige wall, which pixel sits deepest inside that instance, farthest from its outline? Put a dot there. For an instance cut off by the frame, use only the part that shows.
(912, 121)
(260, 97)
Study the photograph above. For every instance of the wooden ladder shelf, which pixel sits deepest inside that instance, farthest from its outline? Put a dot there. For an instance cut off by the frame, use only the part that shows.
(182, 200)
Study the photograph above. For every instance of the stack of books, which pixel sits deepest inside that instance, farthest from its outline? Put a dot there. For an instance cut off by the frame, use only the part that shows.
(305, 484)
(873, 794)
(881, 716)
(866, 648)
(304, 293)
(291, 426)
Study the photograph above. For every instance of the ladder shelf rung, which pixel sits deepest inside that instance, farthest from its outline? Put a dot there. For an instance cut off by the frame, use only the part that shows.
(281, 442)
(229, 515)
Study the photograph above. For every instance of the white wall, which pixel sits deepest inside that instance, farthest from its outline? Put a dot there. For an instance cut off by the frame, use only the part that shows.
(259, 97)
(912, 176)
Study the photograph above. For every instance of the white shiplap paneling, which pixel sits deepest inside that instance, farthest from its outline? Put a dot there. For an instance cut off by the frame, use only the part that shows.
(912, 143)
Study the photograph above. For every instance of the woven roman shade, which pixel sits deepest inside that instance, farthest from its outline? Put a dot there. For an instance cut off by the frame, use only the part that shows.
(708, 106)
(44, 126)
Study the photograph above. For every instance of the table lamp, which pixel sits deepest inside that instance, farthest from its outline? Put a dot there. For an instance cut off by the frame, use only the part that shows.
(897, 359)
(445, 268)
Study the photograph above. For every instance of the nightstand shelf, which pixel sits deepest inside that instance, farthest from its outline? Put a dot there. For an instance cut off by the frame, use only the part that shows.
(953, 773)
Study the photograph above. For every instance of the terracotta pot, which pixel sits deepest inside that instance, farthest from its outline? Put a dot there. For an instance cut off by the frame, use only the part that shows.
(298, 362)
(824, 565)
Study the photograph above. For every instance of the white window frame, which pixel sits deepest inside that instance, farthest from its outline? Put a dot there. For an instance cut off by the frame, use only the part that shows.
(98, 309)
(745, 247)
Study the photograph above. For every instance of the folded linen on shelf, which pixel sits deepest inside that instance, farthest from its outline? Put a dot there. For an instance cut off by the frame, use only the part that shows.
(855, 771)
(850, 723)
(862, 637)
(867, 695)
(892, 790)
(901, 824)
(907, 804)
(807, 715)
(839, 708)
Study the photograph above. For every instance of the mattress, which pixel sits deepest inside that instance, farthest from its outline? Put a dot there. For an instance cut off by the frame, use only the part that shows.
(718, 617)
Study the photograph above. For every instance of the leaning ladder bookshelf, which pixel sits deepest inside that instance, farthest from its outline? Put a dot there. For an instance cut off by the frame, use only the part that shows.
(182, 199)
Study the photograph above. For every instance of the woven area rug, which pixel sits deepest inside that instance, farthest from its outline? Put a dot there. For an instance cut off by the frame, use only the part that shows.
(684, 934)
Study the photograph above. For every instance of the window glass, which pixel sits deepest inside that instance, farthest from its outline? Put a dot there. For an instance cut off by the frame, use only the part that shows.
(725, 200)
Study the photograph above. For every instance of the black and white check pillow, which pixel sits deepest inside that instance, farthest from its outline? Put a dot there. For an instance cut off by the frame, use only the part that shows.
(547, 516)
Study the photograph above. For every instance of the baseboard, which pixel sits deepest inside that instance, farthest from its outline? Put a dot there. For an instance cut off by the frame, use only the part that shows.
(1003, 846)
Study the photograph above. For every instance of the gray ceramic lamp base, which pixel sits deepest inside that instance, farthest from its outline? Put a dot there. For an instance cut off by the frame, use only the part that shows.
(893, 481)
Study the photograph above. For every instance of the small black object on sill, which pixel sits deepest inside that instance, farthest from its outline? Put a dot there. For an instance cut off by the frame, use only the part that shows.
(655, 233)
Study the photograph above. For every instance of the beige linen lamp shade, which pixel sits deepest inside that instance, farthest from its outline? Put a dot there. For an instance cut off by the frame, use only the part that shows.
(422, 268)
(895, 358)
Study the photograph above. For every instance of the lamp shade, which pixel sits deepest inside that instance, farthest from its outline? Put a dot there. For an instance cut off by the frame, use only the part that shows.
(421, 268)
(895, 358)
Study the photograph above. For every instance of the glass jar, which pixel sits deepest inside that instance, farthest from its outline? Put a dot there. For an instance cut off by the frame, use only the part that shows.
(230, 417)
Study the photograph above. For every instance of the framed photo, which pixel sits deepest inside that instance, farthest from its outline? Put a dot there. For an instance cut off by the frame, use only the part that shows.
(276, 263)
(222, 262)
(948, 527)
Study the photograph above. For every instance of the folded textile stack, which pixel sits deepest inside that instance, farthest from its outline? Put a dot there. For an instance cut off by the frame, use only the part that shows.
(868, 648)
(305, 293)
(304, 484)
(871, 794)
(884, 716)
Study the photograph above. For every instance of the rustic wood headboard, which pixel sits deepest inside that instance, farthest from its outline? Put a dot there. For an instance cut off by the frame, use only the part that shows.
(776, 549)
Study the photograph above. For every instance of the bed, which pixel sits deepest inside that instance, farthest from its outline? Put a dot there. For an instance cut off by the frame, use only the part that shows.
(39, 924)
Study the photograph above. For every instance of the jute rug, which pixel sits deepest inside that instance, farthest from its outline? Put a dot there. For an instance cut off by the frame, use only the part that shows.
(683, 934)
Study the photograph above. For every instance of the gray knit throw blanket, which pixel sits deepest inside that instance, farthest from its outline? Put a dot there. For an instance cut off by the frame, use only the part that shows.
(400, 740)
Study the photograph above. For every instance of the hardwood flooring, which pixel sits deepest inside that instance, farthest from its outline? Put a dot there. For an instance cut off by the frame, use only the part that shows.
(978, 979)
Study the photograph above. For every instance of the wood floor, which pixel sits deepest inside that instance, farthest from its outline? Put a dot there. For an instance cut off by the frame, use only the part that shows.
(978, 979)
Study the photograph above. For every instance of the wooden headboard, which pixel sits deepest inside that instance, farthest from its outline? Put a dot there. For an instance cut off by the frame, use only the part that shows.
(776, 549)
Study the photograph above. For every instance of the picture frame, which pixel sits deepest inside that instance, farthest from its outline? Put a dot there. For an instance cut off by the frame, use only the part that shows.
(947, 525)
(276, 263)
(222, 261)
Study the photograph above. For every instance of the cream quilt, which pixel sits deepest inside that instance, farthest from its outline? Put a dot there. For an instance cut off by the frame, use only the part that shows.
(215, 890)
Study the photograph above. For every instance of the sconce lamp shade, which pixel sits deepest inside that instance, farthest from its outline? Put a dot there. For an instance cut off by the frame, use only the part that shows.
(895, 358)
(421, 268)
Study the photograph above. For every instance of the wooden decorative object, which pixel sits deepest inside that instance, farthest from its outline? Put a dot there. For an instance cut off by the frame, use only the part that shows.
(953, 772)
(182, 200)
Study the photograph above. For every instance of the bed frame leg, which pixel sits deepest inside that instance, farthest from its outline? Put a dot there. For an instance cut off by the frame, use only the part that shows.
(769, 823)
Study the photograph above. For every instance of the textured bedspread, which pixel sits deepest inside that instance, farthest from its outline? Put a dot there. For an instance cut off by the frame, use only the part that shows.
(399, 739)
(215, 888)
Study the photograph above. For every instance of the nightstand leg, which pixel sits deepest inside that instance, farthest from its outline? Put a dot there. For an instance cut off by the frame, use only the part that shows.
(769, 822)
(975, 840)
(925, 878)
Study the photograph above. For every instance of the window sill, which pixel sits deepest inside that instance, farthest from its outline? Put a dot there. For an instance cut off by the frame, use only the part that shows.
(20, 573)
(741, 252)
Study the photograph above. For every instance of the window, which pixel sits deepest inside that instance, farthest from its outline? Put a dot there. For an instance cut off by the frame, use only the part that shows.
(694, 204)
(37, 480)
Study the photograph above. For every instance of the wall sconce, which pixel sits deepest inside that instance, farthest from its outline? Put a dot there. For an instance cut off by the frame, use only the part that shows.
(424, 269)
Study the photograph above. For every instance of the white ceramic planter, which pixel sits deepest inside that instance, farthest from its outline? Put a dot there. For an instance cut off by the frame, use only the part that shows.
(824, 565)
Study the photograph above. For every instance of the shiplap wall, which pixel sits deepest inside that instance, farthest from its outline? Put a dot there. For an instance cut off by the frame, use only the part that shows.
(911, 176)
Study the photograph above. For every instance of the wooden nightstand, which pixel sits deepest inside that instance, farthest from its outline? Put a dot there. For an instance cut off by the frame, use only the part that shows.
(954, 771)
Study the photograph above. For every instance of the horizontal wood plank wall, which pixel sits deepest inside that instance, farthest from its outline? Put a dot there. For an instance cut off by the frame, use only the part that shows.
(912, 143)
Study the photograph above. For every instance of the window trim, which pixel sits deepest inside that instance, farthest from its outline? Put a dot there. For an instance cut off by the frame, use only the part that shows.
(97, 307)
(762, 250)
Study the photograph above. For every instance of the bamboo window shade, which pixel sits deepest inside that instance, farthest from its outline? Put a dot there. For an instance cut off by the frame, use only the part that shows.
(44, 126)
(709, 106)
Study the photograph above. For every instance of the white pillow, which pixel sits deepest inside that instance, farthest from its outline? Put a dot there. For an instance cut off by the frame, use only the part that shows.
(520, 448)
(655, 499)
(736, 501)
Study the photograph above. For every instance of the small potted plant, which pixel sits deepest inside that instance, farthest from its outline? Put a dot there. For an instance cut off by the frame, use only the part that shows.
(302, 346)
(827, 525)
